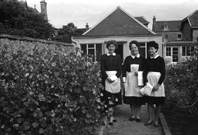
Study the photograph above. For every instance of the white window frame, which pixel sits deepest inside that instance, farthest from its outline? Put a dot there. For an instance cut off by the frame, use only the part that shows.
(187, 50)
(174, 54)
(168, 51)
(94, 48)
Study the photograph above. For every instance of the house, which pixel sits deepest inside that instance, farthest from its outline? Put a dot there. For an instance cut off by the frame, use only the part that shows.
(43, 6)
(179, 37)
(119, 26)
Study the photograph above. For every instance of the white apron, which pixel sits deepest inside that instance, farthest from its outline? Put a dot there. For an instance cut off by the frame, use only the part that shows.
(113, 87)
(153, 78)
(131, 85)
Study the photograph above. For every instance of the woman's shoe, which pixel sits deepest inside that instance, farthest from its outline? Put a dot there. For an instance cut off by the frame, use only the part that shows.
(148, 123)
(111, 123)
(131, 119)
(114, 120)
(156, 125)
(138, 120)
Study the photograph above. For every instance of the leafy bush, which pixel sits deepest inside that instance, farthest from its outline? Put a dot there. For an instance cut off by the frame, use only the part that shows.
(182, 86)
(46, 92)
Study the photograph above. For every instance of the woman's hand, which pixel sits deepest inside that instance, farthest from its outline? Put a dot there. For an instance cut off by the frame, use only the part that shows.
(136, 73)
(109, 80)
(156, 87)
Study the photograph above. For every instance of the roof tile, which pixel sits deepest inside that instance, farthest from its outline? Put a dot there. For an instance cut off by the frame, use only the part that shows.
(119, 23)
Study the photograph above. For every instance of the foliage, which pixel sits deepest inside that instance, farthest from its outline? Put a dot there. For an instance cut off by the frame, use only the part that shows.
(48, 93)
(66, 32)
(19, 19)
(182, 86)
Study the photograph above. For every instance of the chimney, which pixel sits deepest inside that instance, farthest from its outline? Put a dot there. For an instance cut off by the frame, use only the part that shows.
(154, 22)
(87, 26)
(44, 9)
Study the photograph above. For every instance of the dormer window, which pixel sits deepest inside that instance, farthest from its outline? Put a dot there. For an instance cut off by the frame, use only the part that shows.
(179, 36)
(165, 26)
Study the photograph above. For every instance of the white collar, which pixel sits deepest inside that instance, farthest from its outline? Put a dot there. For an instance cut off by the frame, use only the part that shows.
(108, 54)
(155, 57)
(135, 56)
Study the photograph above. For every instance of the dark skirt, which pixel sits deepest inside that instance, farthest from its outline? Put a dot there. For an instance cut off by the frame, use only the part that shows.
(110, 99)
(155, 100)
(134, 100)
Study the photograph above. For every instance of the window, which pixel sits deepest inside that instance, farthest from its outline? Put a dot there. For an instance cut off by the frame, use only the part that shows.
(175, 54)
(168, 51)
(183, 51)
(179, 36)
(187, 50)
(165, 26)
(190, 49)
(93, 51)
(142, 49)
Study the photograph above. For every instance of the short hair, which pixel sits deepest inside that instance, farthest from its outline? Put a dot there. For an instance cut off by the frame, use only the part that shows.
(153, 44)
(134, 42)
(112, 42)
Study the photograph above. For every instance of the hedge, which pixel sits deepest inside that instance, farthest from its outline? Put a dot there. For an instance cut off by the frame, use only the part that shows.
(48, 92)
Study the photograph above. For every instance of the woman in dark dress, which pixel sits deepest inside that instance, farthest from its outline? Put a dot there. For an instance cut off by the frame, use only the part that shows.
(154, 74)
(132, 65)
(111, 67)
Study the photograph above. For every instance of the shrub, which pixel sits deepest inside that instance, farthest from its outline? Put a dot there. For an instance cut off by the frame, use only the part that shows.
(182, 86)
(47, 92)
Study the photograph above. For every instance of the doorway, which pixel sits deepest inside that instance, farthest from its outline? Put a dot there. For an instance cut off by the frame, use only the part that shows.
(119, 50)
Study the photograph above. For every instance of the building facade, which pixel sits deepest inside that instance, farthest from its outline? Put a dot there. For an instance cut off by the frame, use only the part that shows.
(179, 37)
(119, 26)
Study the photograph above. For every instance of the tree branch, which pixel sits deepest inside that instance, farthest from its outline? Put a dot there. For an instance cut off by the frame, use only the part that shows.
(183, 107)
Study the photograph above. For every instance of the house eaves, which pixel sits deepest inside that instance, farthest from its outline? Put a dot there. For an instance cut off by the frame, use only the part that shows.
(124, 36)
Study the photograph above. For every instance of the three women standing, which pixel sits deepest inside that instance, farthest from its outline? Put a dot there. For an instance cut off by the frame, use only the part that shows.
(153, 69)
(132, 65)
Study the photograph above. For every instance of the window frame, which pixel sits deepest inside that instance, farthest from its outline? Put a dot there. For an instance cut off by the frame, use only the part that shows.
(91, 47)
(168, 51)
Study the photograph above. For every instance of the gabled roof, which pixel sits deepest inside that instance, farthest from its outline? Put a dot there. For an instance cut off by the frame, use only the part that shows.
(172, 26)
(142, 20)
(192, 19)
(119, 23)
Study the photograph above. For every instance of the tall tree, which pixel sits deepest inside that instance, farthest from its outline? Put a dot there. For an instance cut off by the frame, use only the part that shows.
(19, 19)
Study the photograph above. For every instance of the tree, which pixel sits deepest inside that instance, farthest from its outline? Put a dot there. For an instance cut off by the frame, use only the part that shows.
(19, 19)
(66, 32)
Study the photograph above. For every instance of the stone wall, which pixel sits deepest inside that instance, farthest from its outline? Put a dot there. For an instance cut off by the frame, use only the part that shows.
(16, 43)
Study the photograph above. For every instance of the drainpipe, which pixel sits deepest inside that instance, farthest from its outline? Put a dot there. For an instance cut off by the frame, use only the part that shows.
(196, 51)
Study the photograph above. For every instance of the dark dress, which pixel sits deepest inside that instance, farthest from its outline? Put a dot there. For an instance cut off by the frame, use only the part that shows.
(155, 65)
(110, 63)
(133, 97)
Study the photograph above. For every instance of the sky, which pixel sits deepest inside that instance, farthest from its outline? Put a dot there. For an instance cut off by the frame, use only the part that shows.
(80, 12)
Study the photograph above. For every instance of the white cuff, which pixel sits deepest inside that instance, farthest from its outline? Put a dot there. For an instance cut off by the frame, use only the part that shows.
(124, 79)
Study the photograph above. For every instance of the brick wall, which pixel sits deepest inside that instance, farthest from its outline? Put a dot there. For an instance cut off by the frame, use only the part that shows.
(16, 43)
(172, 36)
(195, 35)
(186, 31)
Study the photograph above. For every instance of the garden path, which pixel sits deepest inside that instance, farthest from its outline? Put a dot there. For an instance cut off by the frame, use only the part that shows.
(125, 127)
